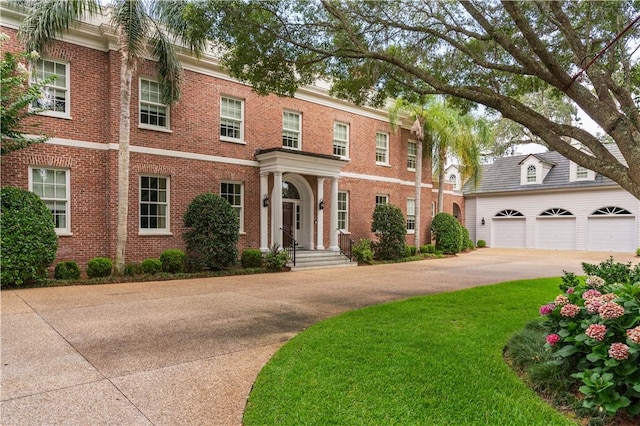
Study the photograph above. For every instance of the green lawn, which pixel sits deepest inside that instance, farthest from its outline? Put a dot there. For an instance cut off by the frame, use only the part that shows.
(434, 360)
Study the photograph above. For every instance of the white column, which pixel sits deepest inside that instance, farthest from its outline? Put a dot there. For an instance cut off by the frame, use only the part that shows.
(333, 222)
(320, 215)
(276, 209)
(264, 226)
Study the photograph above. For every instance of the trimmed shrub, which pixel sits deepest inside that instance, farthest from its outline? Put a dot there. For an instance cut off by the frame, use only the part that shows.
(467, 244)
(447, 233)
(276, 259)
(638, 252)
(410, 251)
(151, 266)
(251, 258)
(99, 267)
(133, 268)
(68, 270)
(28, 237)
(482, 243)
(389, 225)
(428, 248)
(362, 251)
(173, 261)
(212, 234)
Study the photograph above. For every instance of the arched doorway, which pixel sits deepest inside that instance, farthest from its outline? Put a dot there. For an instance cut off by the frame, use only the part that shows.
(457, 212)
(297, 211)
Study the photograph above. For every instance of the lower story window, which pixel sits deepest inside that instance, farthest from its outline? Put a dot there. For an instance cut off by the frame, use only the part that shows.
(343, 211)
(52, 186)
(382, 199)
(233, 193)
(154, 203)
(411, 214)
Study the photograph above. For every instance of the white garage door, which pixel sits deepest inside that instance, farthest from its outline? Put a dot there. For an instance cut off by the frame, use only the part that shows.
(556, 230)
(611, 233)
(509, 233)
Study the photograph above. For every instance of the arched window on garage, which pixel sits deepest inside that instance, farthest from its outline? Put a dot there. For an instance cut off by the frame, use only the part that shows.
(509, 213)
(611, 211)
(555, 212)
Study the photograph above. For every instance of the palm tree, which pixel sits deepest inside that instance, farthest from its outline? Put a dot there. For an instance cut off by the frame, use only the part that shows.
(137, 27)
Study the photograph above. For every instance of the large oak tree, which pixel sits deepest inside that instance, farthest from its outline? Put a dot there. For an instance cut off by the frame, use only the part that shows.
(487, 52)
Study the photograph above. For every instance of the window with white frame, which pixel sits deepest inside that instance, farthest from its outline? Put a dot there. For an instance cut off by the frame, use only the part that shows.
(291, 125)
(433, 208)
(234, 194)
(55, 94)
(154, 204)
(581, 172)
(531, 174)
(382, 199)
(153, 113)
(231, 119)
(382, 148)
(411, 215)
(341, 139)
(52, 186)
(411, 155)
(453, 180)
(343, 211)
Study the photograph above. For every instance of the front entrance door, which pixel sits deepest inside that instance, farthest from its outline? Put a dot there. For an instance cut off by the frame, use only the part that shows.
(288, 227)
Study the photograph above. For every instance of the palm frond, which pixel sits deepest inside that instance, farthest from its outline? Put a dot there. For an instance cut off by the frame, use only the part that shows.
(169, 67)
(48, 19)
(132, 24)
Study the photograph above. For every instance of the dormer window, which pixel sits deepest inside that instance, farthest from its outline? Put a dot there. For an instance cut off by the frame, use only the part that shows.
(453, 180)
(580, 173)
(531, 174)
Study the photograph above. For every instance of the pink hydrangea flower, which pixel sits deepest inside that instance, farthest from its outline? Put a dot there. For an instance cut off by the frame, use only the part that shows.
(619, 351)
(591, 294)
(633, 334)
(609, 297)
(570, 310)
(547, 309)
(597, 332)
(570, 290)
(595, 282)
(552, 339)
(561, 300)
(593, 305)
(611, 310)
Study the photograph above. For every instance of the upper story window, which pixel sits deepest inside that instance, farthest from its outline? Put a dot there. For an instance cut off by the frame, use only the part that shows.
(233, 192)
(411, 215)
(531, 174)
(433, 208)
(581, 172)
(291, 125)
(453, 180)
(343, 211)
(382, 148)
(411, 155)
(153, 113)
(55, 95)
(154, 204)
(341, 139)
(231, 119)
(52, 186)
(382, 199)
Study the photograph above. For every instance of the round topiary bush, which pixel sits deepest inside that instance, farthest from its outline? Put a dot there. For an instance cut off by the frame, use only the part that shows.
(447, 232)
(251, 258)
(151, 266)
(28, 237)
(99, 267)
(212, 234)
(482, 243)
(68, 270)
(173, 261)
(389, 226)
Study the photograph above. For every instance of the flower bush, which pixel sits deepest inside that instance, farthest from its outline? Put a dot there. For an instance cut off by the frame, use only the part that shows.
(594, 330)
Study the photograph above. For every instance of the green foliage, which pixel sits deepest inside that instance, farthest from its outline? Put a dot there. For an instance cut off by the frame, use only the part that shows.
(363, 252)
(173, 261)
(17, 95)
(613, 272)
(276, 259)
(68, 270)
(410, 251)
(28, 237)
(99, 267)
(212, 234)
(638, 252)
(151, 266)
(132, 269)
(251, 258)
(389, 225)
(428, 248)
(447, 232)
(467, 244)
(481, 244)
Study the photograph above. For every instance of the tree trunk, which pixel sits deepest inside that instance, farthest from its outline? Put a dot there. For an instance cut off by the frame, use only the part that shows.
(442, 158)
(418, 236)
(126, 73)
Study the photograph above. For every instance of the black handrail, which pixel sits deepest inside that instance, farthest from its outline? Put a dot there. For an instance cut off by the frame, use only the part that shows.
(346, 245)
(291, 249)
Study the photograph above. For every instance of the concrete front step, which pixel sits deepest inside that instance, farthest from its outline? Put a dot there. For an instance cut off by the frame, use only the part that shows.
(320, 259)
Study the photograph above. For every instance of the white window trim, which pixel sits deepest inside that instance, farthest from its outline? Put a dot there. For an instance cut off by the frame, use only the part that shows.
(411, 231)
(57, 114)
(167, 128)
(573, 174)
(299, 114)
(227, 138)
(155, 231)
(62, 232)
(385, 196)
(346, 228)
(346, 147)
(235, 182)
(415, 156)
(386, 151)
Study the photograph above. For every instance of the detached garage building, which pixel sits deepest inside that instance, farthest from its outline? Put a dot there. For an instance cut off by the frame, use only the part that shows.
(545, 201)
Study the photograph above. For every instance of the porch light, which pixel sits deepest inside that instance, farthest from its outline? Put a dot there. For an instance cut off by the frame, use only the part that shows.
(265, 201)
(482, 221)
(321, 205)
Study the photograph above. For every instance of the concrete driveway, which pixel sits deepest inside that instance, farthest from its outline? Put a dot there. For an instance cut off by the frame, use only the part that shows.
(187, 352)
